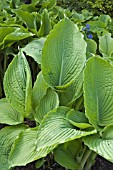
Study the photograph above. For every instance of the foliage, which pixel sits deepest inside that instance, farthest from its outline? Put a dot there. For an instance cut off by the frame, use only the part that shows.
(57, 68)
(96, 6)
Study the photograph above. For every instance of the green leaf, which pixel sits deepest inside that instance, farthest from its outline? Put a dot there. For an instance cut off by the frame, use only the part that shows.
(48, 4)
(107, 132)
(77, 17)
(47, 103)
(106, 45)
(39, 90)
(34, 49)
(91, 48)
(51, 4)
(18, 84)
(4, 31)
(39, 163)
(7, 138)
(8, 114)
(63, 55)
(54, 130)
(98, 92)
(105, 18)
(45, 27)
(78, 119)
(11, 35)
(102, 145)
(28, 18)
(24, 148)
(66, 154)
(71, 93)
(97, 26)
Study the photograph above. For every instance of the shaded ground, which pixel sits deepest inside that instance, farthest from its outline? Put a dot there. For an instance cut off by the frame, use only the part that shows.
(100, 164)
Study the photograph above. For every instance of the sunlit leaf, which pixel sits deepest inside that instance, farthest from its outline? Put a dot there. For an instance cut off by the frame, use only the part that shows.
(98, 91)
(8, 114)
(18, 84)
(63, 55)
(34, 49)
(102, 145)
(7, 138)
(54, 130)
(49, 102)
(39, 90)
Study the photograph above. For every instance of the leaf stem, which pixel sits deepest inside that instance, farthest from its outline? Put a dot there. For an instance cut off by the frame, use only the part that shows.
(85, 158)
(90, 161)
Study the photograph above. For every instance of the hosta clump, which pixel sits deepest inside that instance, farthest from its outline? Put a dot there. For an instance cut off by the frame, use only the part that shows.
(74, 119)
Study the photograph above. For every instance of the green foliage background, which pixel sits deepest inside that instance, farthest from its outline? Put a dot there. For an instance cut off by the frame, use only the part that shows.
(96, 6)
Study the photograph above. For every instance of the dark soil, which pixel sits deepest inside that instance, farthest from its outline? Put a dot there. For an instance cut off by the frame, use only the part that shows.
(100, 164)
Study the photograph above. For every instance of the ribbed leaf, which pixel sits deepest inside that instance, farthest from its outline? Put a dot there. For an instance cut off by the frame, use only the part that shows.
(54, 130)
(8, 114)
(63, 55)
(102, 145)
(7, 138)
(18, 85)
(66, 154)
(70, 94)
(11, 35)
(26, 141)
(47, 103)
(106, 45)
(98, 91)
(78, 119)
(39, 90)
(34, 49)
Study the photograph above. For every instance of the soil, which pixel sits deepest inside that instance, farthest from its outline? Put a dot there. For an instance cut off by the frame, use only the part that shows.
(100, 164)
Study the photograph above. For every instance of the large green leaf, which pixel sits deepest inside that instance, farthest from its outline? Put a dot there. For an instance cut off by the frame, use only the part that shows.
(34, 49)
(102, 145)
(18, 84)
(98, 91)
(7, 138)
(106, 45)
(39, 90)
(47, 103)
(9, 35)
(63, 55)
(8, 114)
(54, 130)
(66, 154)
(27, 141)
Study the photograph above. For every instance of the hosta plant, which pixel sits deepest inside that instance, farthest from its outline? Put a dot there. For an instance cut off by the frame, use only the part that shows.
(71, 102)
